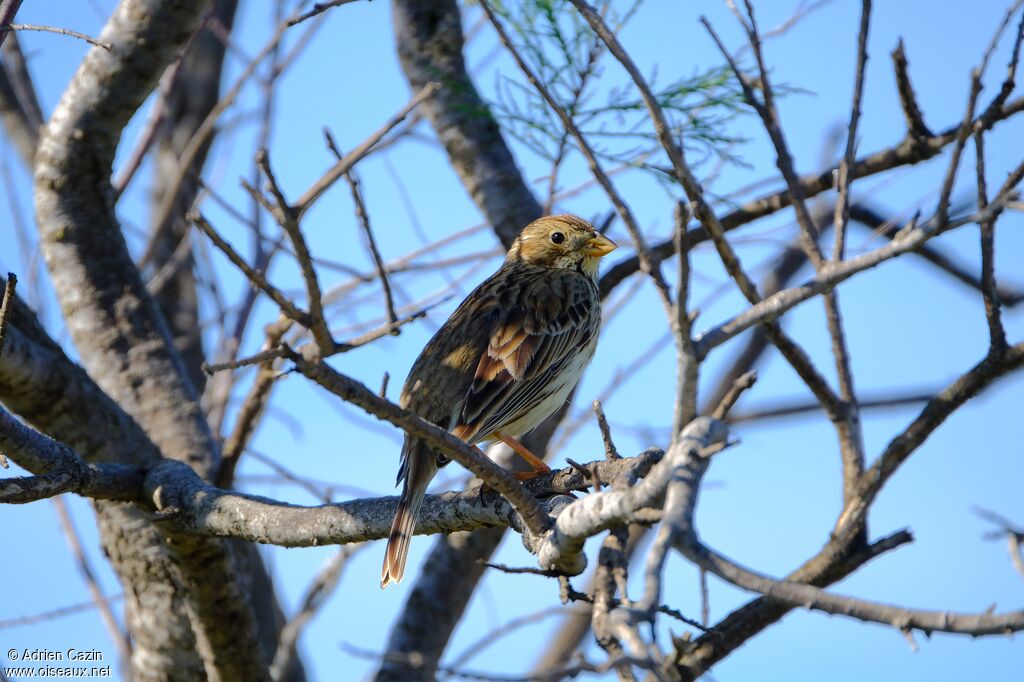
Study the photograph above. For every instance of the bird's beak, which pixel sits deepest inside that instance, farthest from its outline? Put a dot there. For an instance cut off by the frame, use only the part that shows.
(599, 246)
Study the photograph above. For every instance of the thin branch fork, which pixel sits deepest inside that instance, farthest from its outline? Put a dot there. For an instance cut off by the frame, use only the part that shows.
(910, 238)
(907, 152)
(4, 28)
(5, 306)
(702, 211)
(288, 218)
(349, 160)
(989, 288)
(847, 420)
(808, 596)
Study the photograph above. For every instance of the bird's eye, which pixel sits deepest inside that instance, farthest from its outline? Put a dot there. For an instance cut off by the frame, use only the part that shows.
(557, 237)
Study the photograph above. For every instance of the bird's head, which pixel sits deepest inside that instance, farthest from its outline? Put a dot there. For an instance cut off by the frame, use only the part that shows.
(561, 241)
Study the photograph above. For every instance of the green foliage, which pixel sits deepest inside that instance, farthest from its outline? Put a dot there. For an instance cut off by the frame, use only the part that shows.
(569, 58)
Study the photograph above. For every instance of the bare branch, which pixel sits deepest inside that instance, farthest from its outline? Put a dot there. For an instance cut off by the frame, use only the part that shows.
(371, 244)
(4, 28)
(842, 211)
(288, 219)
(119, 637)
(256, 277)
(610, 452)
(907, 152)
(808, 596)
(916, 128)
(8, 10)
(5, 306)
(318, 8)
(561, 548)
(910, 238)
(742, 383)
(349, 161)
(997, 335)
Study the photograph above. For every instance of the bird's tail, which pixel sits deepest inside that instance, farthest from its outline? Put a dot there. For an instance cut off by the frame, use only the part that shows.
(417, 470)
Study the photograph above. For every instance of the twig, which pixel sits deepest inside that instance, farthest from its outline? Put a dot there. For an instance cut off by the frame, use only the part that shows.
(256, 359)
(8, 10)
(255, 277)
(989, 292)
(344, 165)
(586, 473)
(371, 242)
(252, 408)
(742, 383)
(803, 407)
(647, 263)
(318, 8)
(842, 211)
(5, 306)
(942, 211)
(62, 612)
(288, 218)
(1011, 72)
(810, 597)
(53, 29)
(316, 595)
(497, 633)
(610, 452)
(889, 229)
(687, 362)
(770, 308)
(528, 570)
(916, 128)
(119, 637)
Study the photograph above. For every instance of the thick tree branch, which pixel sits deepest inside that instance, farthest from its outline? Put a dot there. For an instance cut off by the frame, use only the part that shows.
(189, 505)
(115, 324)
(430, 41)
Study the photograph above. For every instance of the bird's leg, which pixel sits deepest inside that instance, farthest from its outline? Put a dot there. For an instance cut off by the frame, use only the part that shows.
(539, 467)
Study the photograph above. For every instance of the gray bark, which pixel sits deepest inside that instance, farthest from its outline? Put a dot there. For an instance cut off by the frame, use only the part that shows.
(116, 326)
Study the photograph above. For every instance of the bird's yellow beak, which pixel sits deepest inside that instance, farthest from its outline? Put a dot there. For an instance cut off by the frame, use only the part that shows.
(599, 246)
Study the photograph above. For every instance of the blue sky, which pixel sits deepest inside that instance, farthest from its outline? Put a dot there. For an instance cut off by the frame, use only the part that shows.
(774, 497)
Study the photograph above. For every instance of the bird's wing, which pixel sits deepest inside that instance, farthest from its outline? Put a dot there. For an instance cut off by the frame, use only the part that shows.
(539, 327)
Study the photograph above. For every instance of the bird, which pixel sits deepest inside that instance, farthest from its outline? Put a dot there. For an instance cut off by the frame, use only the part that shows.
(505, 360)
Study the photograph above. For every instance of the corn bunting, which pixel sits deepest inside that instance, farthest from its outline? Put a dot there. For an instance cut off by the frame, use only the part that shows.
(505, 360)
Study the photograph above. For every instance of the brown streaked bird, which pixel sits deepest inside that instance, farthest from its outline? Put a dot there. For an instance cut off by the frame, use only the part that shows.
(505, 360)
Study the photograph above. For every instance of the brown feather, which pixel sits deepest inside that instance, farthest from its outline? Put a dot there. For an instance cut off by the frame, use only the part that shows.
(505, 358)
